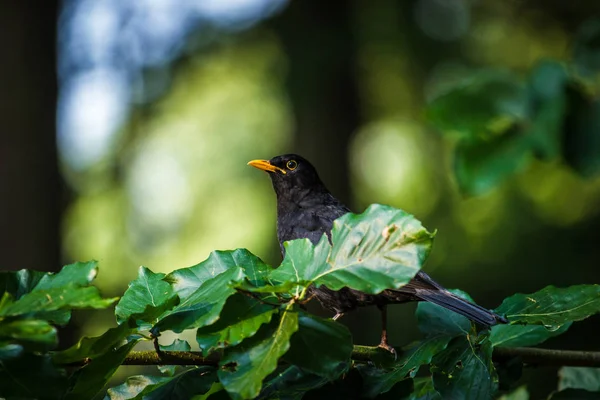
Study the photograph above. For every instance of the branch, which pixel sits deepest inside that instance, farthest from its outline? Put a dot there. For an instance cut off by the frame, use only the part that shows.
(528, 355)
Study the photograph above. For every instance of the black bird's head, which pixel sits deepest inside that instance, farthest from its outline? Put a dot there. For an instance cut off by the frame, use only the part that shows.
(293, 177)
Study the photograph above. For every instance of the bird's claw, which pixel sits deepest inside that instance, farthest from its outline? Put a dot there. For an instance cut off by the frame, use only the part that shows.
(386, 346)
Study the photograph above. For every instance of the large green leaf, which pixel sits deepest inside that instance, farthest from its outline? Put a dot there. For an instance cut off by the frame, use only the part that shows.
(177, 345)
(464, 370)
(434, 320)
(579, 378)
(475, 105)
(186, 281)
(146, 298)
(523, 335)
(407, 365)
(31, 376)
(291, 384)
(582, 133)
(320, 346)
(55, 298)
(179, 387)
(76, 274)
(88, 381)
(519, 393)
(241, 318)
(17, 283)
(551, 306)
(92, 347)
(382, 248)
(34, 334)
(203, 306)
(243, 368)
(586, 48)
(424, 390)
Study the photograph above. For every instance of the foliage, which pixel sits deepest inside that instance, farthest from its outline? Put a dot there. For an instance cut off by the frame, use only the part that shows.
(257, 339)
(503, 121)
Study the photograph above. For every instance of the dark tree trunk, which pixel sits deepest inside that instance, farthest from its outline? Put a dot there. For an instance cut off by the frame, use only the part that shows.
(29, 176)
(321, 48)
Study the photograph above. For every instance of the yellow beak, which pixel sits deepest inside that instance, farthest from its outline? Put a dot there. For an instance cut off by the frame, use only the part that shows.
(266, 166)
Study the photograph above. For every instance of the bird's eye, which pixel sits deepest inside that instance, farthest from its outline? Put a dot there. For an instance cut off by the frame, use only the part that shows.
(291, 165)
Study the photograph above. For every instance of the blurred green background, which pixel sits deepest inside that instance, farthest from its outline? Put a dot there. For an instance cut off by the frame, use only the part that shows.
(128, 125)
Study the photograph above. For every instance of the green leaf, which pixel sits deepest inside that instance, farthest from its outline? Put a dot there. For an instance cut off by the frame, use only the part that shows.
(320, 346)
(586, 49)
(523, 335)
(546, 87)
(179, 387)
(89, 380)
(31, 376)
(582, 133)
(203, 306)
(475, 105)
(240, 319)
(56, 298)
(424, 390)
(464, 370)
(93, 347)
(78, 274)
(551, 306)
(9, 350)
(18, 283)
(407, 365)
(483, 164)
(243, 368)
(291, 384)
(34, 334)
(382, 248)
(186, 281)
(146, 298)
(573, 394)
(579, 378)
(519, 393)
(177, 345)
(434, 320)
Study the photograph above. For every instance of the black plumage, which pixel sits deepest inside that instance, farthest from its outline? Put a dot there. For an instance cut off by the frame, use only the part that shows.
(306, 209)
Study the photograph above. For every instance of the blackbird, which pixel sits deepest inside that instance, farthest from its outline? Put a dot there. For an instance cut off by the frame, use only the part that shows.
(306, 209)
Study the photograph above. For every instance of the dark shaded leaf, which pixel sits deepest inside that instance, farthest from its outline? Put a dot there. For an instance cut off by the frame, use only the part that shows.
(88, 381)
(320, 346)
(382, 248)
(243, 368)
(579, 378)
(519, 393)
(407, 365)
(33, 334)
(574, 394)
(241, 318)
(291, 384)
(586, 49)
(464, 370)
(551, 306)
(582, 133)
(177, 345)
(92, 347)
(435, 320)
(474, 106)
(146, 298)
(424, 390)
(203, 306)
(523, 335)
(182, 386)
(18, 283)
(31, 376)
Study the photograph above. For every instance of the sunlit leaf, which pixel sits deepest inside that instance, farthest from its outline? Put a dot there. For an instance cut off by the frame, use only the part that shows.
(92, 347)
(177, 345)
(203, 306)
(182, 386)
(523, 335)
(475, 105)
(76, 274)
(186, 281)
(579, 378)
(382, 248)
(240, 319)
(551, 306)
(89, 380)
(146, 298)
(320, 346)
(407, 365)
(464, 370)
(35, 335)
(243, 368)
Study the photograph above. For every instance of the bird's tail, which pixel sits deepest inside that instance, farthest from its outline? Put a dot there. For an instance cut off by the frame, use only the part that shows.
(461, 306)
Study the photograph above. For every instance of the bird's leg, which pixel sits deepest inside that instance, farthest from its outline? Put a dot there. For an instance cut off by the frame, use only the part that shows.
(338, 315)
(384, 338)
